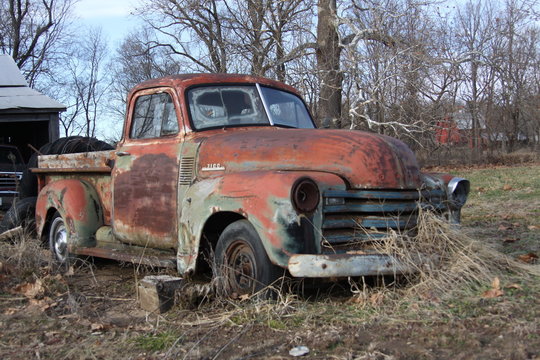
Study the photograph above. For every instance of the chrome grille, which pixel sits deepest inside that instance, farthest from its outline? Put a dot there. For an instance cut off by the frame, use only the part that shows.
(9, 181)
(354, 218)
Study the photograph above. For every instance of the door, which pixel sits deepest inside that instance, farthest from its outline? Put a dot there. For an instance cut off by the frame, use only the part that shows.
(145, 177)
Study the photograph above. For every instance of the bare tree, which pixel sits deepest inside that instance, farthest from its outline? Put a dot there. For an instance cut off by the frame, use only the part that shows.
(137, 60)
(514, 52)
(32, 32)
(474, 32)
(328, 62)
(190, 29)
(84, 84)
(386, 62)
(266, 35)
(396, 67)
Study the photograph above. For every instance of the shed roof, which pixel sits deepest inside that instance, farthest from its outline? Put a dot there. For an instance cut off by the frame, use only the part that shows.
(10, 75)
(15, 94)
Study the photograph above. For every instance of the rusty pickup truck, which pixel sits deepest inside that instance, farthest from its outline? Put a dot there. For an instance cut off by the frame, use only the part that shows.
(234, 166)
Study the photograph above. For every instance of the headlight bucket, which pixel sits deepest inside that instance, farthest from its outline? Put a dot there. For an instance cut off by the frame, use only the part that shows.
(305, 195)
(458, 191)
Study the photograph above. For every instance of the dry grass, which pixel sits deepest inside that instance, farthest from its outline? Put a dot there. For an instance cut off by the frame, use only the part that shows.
(453, 265)
(24, 253)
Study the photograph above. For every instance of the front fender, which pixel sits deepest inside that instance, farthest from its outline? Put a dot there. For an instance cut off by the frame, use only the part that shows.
(263, 198)
(78, 203)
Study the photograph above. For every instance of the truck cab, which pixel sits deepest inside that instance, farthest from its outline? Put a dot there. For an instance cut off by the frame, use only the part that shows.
(233, 165)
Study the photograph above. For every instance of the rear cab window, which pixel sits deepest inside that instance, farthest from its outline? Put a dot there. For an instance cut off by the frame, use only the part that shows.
(154, 116)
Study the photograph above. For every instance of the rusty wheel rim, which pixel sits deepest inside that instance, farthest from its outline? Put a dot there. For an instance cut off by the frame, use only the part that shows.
(241, 267)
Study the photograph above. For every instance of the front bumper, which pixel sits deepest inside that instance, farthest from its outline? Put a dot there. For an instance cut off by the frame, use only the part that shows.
(344, 265)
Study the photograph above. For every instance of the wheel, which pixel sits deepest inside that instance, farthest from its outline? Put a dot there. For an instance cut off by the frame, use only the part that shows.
(58, 240)
(242, 262)
(21, 213)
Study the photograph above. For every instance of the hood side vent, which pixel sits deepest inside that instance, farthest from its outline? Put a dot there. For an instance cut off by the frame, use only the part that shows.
(187, 166)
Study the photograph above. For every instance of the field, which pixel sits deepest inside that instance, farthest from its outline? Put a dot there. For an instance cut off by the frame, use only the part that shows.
(91, 312)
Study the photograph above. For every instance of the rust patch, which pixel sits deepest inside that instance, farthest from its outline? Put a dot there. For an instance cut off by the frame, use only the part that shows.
(142, 195)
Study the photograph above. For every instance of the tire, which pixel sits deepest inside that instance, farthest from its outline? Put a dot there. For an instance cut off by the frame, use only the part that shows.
(58, 241)
(67, 145)
(242, 262)
(21, 213)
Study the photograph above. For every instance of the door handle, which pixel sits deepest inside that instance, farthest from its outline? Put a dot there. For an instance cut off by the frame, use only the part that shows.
(122, 153)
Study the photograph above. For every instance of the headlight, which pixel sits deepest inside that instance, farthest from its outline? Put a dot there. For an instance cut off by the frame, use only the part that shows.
(305, 195)
(458, 189)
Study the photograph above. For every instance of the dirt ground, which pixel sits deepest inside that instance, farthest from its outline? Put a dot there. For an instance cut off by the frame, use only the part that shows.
(91, 312)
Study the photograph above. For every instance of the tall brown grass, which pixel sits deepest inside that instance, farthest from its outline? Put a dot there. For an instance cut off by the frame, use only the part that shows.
(452, 263)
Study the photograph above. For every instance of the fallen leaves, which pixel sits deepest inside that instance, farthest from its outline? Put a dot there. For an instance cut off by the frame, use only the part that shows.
(42, 304)
(6, 268)
(30, 290)
(513, 286)
(39, 288)
(529, 258)
(507, 227)
(38, 294)
(375, 299)
(11, 311)
(495, 290)
(99, 327)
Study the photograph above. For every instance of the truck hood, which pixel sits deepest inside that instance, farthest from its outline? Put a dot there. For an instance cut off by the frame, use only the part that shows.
(364, 160)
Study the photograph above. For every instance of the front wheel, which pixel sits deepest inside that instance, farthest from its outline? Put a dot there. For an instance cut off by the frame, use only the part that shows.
(58, 240)
(242, 262)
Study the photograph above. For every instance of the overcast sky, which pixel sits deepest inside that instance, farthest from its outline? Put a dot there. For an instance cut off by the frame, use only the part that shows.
(113, 16)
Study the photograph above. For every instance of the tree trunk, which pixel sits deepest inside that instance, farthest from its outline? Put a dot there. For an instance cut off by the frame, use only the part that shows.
(328, 62)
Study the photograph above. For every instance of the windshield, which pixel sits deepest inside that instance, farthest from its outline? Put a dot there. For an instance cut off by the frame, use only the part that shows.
(286, 109)
(239, 105)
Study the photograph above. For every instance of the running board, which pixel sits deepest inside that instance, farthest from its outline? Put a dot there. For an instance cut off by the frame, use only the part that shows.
(133, 254)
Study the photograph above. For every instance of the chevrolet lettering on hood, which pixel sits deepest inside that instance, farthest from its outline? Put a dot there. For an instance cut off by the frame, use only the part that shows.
(213, 167)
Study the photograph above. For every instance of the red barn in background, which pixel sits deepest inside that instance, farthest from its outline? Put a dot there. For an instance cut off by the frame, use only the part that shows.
(457, 129)
(447, 132)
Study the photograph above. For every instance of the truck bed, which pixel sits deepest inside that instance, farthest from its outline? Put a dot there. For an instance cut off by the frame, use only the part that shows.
(88, 162)
(91, 167)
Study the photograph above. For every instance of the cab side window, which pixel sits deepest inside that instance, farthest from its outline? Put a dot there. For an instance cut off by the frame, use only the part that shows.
(153, 117)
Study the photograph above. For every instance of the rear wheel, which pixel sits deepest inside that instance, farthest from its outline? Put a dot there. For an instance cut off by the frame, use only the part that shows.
(242, 262)
(58, 240)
